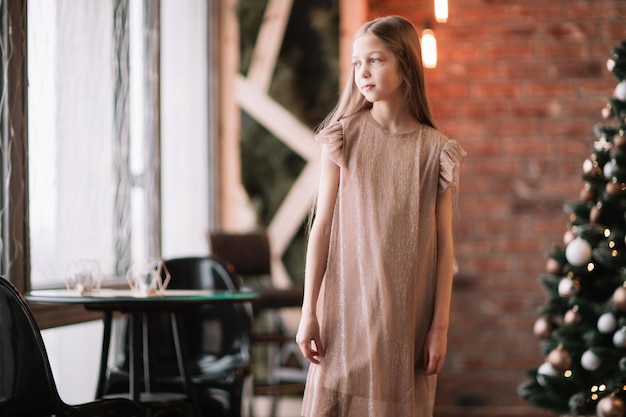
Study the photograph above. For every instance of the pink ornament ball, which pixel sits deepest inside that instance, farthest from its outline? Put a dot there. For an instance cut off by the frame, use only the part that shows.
(611, 406)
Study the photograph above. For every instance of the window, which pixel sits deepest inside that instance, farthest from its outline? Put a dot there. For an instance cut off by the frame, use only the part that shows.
(117, 114)
(71, 136)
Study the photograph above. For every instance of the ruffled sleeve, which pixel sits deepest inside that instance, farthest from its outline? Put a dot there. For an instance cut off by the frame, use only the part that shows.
(450, 165)
(331, 137)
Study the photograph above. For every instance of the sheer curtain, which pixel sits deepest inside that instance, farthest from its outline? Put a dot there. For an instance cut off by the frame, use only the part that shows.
(71, 132)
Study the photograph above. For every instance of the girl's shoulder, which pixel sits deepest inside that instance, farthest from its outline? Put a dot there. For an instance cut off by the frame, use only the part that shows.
(355, 119)
(443, 143)
(434, 134)
(331, 137)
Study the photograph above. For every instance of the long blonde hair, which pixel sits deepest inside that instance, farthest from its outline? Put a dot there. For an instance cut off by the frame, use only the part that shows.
(400, 37)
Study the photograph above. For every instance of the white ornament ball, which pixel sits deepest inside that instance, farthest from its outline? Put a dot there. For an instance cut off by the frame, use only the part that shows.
(609, 168)
(620, 91)
(578, 252)
(567, 288)
(607, 323)
(590, 361)
(619, 338)
(546, 369)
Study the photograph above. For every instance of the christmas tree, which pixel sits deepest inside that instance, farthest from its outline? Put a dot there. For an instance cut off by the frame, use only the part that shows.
(582, 328)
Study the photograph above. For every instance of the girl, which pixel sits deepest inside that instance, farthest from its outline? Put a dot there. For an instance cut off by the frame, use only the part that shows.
(379, 262)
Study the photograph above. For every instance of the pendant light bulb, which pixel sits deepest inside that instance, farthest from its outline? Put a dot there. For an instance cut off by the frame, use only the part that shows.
(441, 11)
(429, 49)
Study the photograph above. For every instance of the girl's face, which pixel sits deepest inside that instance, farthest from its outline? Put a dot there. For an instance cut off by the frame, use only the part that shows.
(376, 72)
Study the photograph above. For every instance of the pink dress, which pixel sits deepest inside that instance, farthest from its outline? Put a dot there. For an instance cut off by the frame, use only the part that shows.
(376, 300)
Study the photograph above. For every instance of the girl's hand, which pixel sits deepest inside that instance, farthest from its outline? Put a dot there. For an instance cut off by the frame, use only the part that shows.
(308, 338)
(435, 350)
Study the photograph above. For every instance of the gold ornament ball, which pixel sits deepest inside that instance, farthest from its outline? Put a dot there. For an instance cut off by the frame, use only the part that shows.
(611, 406)
(619, 298)
(560, 359)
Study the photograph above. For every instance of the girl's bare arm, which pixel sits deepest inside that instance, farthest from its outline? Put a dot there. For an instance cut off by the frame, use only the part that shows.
(436, 340)
(308, 336)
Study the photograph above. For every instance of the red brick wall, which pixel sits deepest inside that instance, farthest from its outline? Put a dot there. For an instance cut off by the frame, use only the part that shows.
(520, 84)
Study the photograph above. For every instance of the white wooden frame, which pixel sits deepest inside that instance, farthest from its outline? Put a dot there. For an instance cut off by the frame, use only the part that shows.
(251, 94)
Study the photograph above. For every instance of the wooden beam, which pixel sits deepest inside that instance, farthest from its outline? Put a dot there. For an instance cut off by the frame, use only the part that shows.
(288, 219)
(268, 43)
(234, 208)
(295, 208)
(275, 118)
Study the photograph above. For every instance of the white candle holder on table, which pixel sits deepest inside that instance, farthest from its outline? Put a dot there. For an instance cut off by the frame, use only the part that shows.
(84, 276)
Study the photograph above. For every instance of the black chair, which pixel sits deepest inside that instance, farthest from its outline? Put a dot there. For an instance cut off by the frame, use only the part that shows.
(217, 339)
(27, 386)
(250, 254)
